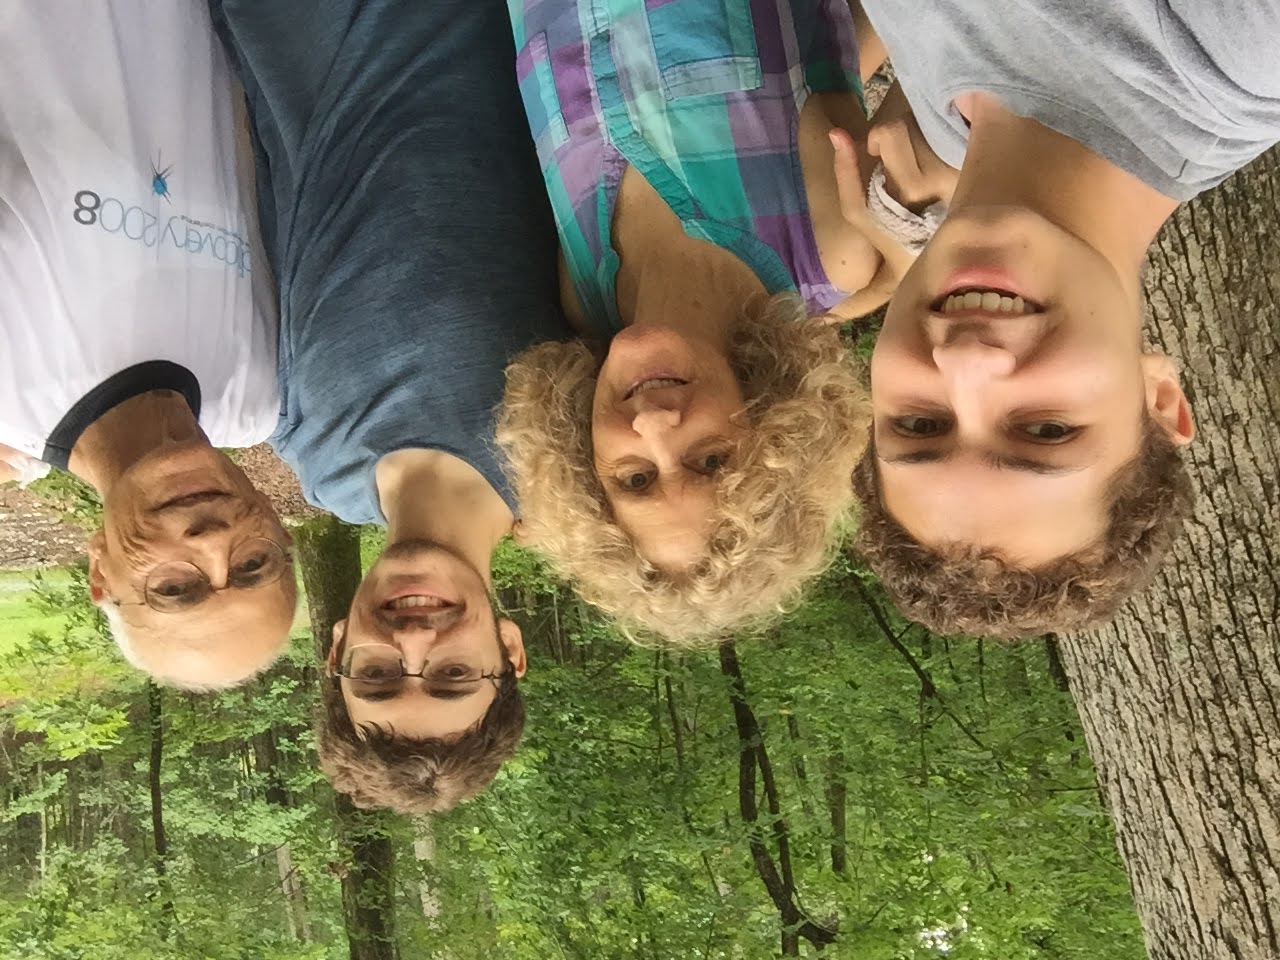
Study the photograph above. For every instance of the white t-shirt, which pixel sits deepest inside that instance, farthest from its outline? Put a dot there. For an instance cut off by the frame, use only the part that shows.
(129, 249)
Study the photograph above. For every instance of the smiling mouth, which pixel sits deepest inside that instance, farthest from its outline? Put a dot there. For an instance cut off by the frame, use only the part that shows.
(653, 383)
(985, 301)
(417, 601)
(422, 611)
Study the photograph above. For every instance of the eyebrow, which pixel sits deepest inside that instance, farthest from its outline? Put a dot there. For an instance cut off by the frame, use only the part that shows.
(1021, 464)
(381, 696)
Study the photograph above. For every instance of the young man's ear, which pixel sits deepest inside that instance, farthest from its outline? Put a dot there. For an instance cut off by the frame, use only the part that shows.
(97, 548)
(1166, 402)
(335, 646)
(513, 640)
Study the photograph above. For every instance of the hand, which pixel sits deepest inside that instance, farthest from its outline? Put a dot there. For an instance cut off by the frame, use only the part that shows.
(17, 466)
(853, 208)
(915, 176)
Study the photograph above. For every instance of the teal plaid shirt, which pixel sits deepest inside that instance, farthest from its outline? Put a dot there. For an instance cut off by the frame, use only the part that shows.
(703, 98)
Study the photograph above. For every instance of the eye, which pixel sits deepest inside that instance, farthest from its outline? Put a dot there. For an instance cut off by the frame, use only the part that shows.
(710, 463)
(377, 672)
(635, 481)
(174, 589)
(452, 675)
(174, 586)
(1049, 431)
(919, 426)
(251, 565)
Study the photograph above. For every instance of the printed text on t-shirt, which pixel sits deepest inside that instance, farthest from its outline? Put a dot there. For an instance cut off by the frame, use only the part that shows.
(143, 226)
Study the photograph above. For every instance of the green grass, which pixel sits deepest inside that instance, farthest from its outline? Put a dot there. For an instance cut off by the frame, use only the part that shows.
(18, 617)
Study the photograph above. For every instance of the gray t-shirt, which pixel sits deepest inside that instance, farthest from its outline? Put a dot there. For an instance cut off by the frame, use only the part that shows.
(405, 217)
(1180, 93)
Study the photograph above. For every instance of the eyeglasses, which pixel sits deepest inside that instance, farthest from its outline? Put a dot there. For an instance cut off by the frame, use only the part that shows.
(177, 585)
(376, 670)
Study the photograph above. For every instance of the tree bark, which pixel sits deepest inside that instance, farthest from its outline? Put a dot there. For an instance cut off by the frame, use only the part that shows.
(266, 760)
(836, 792)
(1180, 697)
(424, 851)
(753, 759)
(368, 882)
(329, 553)
(155, 704)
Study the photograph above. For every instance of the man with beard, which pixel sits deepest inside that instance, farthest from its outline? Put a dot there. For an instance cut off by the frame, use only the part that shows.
(407, 225)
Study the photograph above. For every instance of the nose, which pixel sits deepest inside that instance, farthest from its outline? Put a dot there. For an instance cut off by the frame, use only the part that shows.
(413, 629)
(968, 363)
(652, 422)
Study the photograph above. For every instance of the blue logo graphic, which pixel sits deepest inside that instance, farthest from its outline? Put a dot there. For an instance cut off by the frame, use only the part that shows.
(160, 178)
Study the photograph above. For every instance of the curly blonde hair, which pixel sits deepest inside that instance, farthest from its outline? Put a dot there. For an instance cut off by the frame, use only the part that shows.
(781, 505)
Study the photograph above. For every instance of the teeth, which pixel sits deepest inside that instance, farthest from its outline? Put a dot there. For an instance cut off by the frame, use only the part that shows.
(402, 603)
(988, 300)
(658, 383)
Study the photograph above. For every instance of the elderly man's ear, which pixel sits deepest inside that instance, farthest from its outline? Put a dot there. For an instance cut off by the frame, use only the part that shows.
(97, 548)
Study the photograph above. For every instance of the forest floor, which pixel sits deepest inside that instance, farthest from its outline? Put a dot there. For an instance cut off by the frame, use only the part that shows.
(34, 533)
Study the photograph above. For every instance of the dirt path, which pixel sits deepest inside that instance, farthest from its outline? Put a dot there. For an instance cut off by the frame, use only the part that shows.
(33, 534)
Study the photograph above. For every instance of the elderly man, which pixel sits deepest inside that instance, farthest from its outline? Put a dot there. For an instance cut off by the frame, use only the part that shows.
(408, 227)
(138, 325)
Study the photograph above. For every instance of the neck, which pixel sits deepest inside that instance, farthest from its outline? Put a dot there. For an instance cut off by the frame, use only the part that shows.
(1014, 161)
(665, 276)
(128, 432)
(431, 495)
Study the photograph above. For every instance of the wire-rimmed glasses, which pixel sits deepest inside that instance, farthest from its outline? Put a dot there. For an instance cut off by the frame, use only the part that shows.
(177, 585)
(377, 669)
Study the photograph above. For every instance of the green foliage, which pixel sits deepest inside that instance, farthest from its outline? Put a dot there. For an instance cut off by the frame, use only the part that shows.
(972, 826)
(78, 501)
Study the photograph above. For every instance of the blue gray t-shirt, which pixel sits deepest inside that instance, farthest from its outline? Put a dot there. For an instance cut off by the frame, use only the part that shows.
(405, 217)
(1180, 93)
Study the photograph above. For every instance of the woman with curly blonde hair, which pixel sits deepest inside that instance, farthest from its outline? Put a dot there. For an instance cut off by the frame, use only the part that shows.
(703, 161)
(722, 495)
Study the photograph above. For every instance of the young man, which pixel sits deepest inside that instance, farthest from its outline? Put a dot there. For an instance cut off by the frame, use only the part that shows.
(1024, 475)
(408, 227)
(138, 324)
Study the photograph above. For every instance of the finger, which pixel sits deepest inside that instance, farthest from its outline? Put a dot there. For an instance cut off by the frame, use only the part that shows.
(904, 179)
(849, 188)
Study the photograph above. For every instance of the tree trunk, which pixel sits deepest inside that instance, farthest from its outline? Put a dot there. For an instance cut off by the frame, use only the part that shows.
(424, 851)
(837, 791)
(368, 882)
(329, 553)
(44, 824)
(754, 765)
(266, 760)
(1180, 697)
(155, 703)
